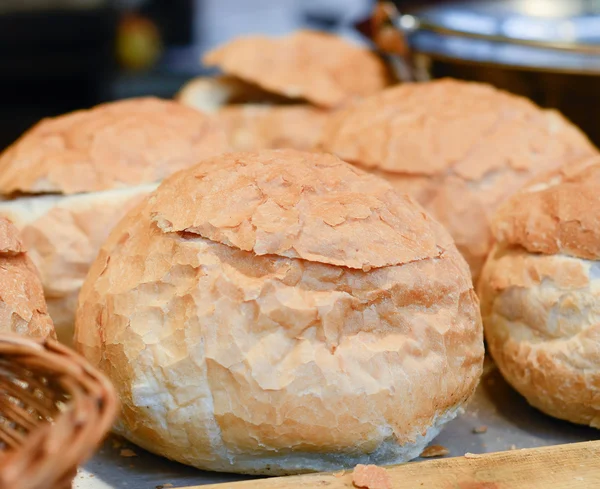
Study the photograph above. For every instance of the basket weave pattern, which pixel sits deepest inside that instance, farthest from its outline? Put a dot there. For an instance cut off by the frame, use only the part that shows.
(54, 410)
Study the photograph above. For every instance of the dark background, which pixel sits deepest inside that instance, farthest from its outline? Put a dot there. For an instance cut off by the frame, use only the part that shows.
(58, 56)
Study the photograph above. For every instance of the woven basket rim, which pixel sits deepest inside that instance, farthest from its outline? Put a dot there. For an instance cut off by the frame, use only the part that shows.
(84, 407)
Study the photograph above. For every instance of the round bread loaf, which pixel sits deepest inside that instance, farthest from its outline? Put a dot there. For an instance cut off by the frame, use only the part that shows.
(69, 179)
(540, 293)
(459, 148)
(277, 92)
(281, 312)
(22, 305)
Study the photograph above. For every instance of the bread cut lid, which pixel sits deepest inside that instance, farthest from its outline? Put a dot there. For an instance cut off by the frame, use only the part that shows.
(558, 215)
(469, 129)
(113, 145)
(295, 204)
(318, 67)
(10, 242)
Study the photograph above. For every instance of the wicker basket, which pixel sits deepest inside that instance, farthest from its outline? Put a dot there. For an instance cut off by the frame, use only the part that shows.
(54, 411)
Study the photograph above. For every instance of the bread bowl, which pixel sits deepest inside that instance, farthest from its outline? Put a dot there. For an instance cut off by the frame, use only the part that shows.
(460, 148)
(69, 179)
(540, 294)
(281, 312)
(22, 306)
(278, 92)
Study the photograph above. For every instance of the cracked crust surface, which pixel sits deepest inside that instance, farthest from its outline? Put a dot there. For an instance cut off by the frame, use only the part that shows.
(321, 68)
(557, 214)
(540, 293)
(22, 305)
(235, 315)
(97, 164)
(299, 205)
(109, 146)
(460, 148)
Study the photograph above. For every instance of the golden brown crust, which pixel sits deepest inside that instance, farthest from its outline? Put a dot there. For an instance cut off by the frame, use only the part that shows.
(461, 148)
(559, 214)
(113, 145)
(296, 204)
(22, 305)
(320, 68)
(231, 360)
(540, 316)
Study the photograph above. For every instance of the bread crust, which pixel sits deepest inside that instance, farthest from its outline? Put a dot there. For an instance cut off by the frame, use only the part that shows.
(113, 145)
(68, 180)
(320, 68)
(460, 148)
(540, 316)
(275, 348)
(64, 234)
(557, 214)
(22, 305)
(540, 293)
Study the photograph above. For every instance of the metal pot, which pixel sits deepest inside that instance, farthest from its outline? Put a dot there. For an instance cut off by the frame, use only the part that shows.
(547, 50)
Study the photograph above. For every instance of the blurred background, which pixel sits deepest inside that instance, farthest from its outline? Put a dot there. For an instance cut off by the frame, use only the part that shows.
(61, 55)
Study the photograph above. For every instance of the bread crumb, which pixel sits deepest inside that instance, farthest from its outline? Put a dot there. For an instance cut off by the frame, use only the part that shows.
(371, 477)
(513, 447)
(126, 452)
(480, 430)
(341, 473)
(435, 451)
(473, 455)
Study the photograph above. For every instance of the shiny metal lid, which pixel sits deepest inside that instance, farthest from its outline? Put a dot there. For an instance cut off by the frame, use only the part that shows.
(558, 35)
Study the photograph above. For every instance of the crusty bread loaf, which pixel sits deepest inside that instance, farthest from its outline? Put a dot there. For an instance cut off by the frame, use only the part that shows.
(540, 292)
(69, 179)
(459, 148)
(22, 306)
(320, 68)
(281, 312)
(278, 92)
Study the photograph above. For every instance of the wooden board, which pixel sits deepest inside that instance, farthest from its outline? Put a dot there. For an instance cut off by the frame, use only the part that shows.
(572, 466)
